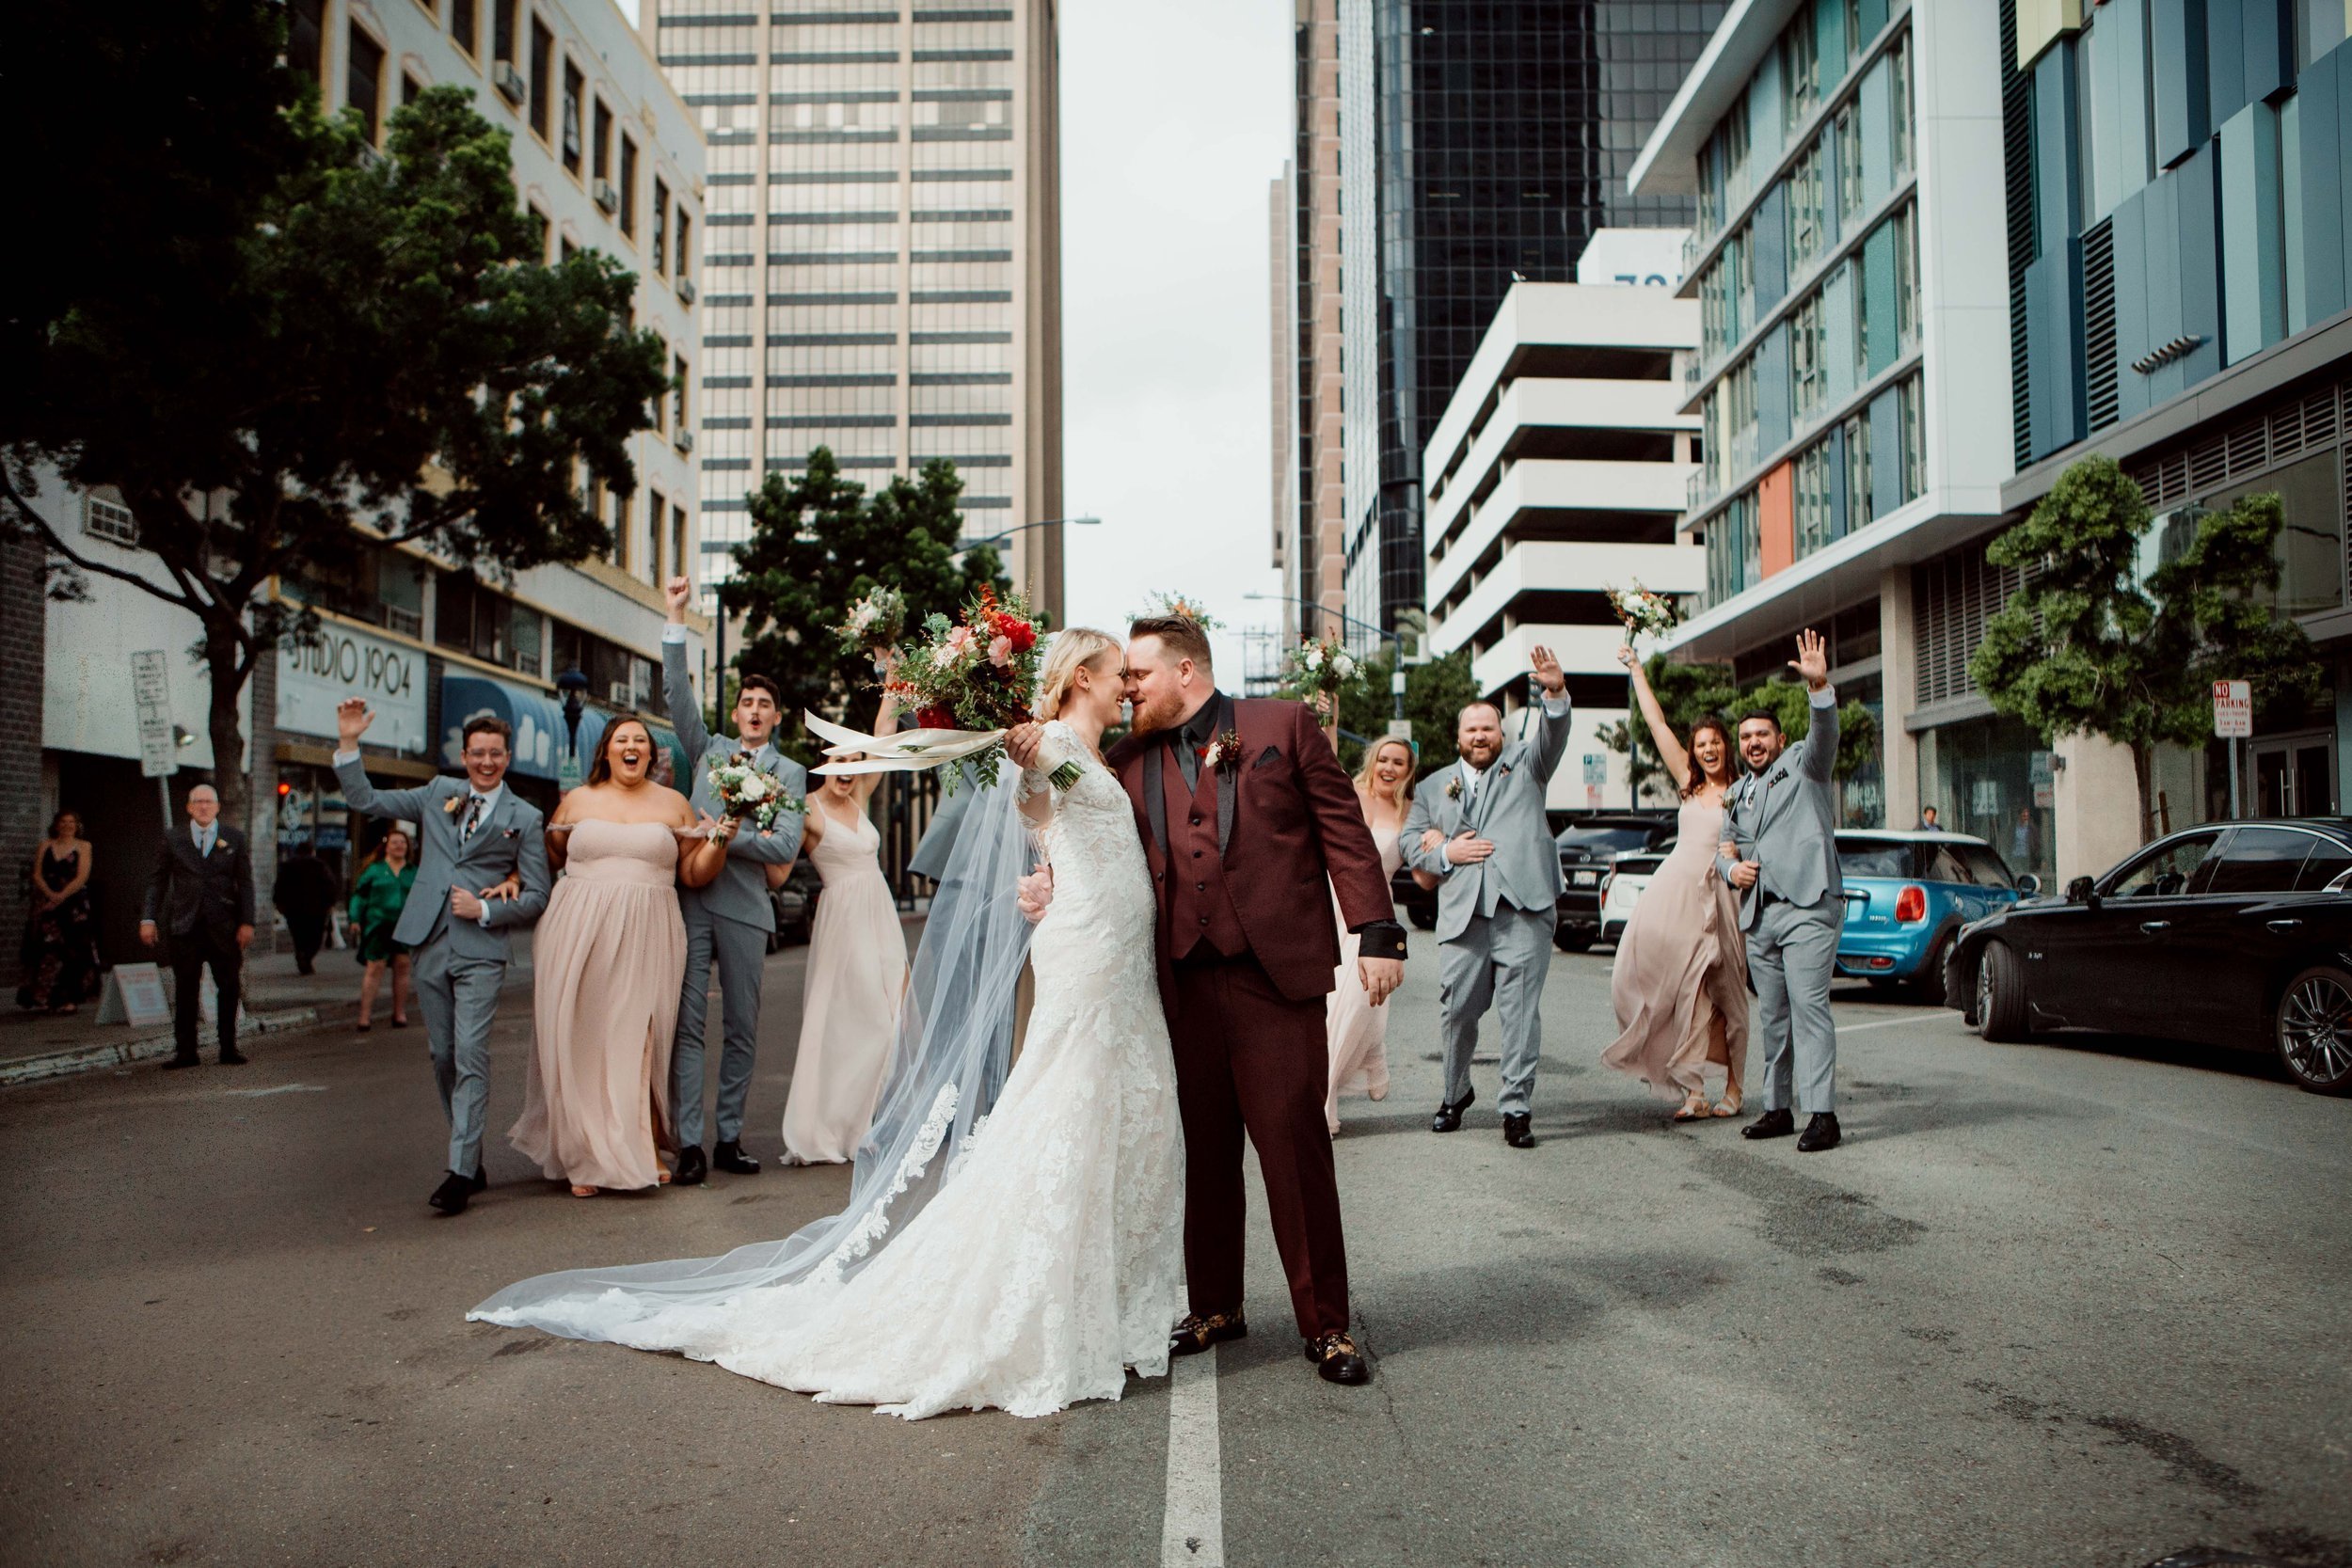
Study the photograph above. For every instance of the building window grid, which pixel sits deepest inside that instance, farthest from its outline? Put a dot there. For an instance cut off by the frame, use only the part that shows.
(465, 28)
(575, 85)
(542, 83)
(1859, 510)
(1907, 276)
(363, 81)
(1800, 70)
(1911, 416)
(1814, 522)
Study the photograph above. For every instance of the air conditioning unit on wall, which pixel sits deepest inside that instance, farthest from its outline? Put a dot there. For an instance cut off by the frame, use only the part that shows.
(510, 81)
(686, 290)
(607, 198)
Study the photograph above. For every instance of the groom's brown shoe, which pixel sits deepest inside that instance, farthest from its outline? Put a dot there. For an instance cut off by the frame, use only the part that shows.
(1337, 1359)
(1198, 1332)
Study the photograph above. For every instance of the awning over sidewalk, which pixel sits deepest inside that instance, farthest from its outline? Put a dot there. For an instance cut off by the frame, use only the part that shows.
(540, 738)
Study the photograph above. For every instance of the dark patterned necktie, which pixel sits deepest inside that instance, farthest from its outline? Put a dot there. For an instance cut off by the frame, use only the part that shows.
(473, 816)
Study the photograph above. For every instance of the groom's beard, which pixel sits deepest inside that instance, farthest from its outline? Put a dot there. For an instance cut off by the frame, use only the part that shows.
(1150, 719)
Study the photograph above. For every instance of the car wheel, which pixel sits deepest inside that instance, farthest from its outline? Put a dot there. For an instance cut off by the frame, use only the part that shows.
(1423, 920)
(2314, 1029)
(2001, 1014)
(1927, 986)
(1572, 940)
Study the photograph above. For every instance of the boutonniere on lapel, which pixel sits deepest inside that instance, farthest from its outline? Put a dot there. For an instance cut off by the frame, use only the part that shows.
(449, 807)
(1224, 753)
(1454, 787)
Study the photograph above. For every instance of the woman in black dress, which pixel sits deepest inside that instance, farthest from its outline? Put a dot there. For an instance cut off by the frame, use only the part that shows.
(60, 952)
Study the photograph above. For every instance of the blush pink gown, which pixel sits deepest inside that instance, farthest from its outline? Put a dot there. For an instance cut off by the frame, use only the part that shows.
(1357, 1031)
(857, 970)
(607, 959)
(1680, 986)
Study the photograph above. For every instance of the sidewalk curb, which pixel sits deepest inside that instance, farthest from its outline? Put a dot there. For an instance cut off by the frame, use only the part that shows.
(148, 1047)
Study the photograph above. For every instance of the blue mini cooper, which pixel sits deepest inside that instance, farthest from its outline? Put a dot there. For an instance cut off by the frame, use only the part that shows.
(1907, 896)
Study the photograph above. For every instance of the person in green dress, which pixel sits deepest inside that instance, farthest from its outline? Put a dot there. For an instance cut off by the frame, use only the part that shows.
(376, 901)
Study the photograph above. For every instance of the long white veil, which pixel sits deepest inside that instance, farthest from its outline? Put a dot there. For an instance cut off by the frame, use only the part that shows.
(953, 1047)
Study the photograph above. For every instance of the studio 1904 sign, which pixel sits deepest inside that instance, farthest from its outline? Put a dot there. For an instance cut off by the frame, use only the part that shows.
(342, 662)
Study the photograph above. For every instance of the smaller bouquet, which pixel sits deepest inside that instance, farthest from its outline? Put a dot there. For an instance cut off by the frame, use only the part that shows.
(970, 676)
(1178, 607)
(876, 620)
(749, 795)
(1644, 612)
(1319, 670)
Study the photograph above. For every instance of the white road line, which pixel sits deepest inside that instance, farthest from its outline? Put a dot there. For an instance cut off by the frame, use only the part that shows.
(1890, 1023)
(281, 1088)
(1193, 1532)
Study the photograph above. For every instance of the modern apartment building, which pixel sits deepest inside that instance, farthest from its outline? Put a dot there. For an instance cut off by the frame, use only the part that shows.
(1310, 551)
(1558, 471)
(607, 157)
(1477, 143)
(2179, 182)
(1852, 380)
(882, 263)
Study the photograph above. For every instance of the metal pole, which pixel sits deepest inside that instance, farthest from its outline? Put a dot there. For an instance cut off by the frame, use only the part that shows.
(163, 792)
(719, 697)
(2233, 773)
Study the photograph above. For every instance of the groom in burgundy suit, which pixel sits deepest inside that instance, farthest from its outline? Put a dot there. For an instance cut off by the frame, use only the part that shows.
(1247, 819)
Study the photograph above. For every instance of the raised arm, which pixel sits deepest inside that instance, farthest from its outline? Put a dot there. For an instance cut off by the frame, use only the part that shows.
(1820, 738)
(886, 723)
(677, 680)
(1551, 691)
(352, 719)
(1661, 734)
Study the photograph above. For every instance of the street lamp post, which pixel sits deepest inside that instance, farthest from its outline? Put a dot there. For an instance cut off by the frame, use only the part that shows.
(1004, 537)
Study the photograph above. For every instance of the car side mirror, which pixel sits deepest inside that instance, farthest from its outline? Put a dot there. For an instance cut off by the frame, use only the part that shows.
(2029, 885)
(2079, 892)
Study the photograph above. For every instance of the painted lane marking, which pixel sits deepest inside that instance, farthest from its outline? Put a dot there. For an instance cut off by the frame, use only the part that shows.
(1192, 1533)
(281, 1088)
(1890, 1023)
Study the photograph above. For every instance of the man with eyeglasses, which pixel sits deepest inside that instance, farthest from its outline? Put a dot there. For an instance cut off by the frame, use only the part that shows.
(482, 871)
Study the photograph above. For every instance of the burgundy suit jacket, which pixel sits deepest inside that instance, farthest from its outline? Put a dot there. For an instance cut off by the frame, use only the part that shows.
(1297, 829)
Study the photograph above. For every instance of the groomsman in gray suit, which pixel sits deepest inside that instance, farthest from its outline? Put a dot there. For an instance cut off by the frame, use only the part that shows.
(1781, 855)
(1479, 827)
(731, 920)
(482, 871)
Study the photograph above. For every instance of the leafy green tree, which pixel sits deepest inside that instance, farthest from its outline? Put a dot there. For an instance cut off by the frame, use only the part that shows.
(2092, 644)
(820, 543)
(1689, 692)
(1435, 694)
(380, 354)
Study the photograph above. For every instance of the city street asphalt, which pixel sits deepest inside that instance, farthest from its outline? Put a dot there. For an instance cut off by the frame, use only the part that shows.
(2074, 1303)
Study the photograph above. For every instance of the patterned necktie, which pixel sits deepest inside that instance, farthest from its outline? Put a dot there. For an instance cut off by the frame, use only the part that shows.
(473, 816)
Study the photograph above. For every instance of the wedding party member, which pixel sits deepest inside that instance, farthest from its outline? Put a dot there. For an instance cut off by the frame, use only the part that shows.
(1782, 853)
(1357, 1031)
(200, 896)
(60, 951)
(1013, 1234)
(1498, 892)
(377, 900)
(730, 921)
(1680, 984)
(605, 969)
(1245, 816)
(857, 971)
(481, 872)
(304, 892)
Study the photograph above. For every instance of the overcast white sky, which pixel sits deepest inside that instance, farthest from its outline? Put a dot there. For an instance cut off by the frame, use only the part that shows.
(1175, 115)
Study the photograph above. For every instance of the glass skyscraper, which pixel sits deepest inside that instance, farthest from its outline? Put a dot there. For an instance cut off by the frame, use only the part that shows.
(881, 271)
(1479, 140)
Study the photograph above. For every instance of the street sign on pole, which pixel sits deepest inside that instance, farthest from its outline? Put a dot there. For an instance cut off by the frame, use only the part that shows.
(2234, 722)
(1400, 729)
(1596, 769)
(150, 693)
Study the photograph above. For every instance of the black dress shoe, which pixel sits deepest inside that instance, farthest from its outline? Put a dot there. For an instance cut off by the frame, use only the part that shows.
(479, 1180)
(1819, 1133)
(1449, 1117)
(1772, 1124)
(178, 1062)
(692, 1167)
(451, 1195)
(729, 1157)
(232, 1057)
(1515, 1130)
(1337, 1359)
(1198, 1331)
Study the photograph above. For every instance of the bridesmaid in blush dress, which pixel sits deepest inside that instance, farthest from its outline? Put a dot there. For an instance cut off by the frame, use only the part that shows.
(608, 959)
(857, 969)
(1357, 1031)
(1680, 982)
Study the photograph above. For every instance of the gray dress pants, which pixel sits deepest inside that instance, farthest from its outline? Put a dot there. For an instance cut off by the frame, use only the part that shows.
(1792, 953)
(741, 952)
(459, 998)
(1498, 959)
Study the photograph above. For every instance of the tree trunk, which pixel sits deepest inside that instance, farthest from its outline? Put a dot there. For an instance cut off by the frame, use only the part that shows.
(229, 777)
(2143, 768)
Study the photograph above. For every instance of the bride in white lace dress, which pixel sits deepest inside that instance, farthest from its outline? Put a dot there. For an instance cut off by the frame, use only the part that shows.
(1046, 1259)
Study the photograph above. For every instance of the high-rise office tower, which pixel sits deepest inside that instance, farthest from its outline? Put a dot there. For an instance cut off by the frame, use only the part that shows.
(881, 274)
(1477, 142)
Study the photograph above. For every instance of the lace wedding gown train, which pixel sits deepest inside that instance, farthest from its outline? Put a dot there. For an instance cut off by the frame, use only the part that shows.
(1051, 1258)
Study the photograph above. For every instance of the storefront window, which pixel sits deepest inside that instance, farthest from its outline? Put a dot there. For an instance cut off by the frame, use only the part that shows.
(1992, 778)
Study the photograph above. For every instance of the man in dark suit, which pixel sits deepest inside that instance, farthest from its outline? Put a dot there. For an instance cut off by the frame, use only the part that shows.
(200, 894)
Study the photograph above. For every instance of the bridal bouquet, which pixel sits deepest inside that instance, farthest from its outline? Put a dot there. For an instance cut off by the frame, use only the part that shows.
(876, 620)
(749, 795)
(1180, 606)
(1644, 612)
(1318, 669)
(972, 679)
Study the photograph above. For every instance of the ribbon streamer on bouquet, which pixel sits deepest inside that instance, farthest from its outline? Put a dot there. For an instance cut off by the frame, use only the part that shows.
(907, 752)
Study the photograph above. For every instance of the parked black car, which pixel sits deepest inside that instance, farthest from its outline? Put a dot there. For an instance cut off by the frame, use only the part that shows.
(2231, 933)
(1587, 846)
(795, 904)
(1417, 903)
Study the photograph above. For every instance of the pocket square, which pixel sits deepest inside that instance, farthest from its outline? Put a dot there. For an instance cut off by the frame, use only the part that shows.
(1272, 754)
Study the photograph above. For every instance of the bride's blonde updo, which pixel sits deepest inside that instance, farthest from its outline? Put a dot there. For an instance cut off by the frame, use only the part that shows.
(1073, 648)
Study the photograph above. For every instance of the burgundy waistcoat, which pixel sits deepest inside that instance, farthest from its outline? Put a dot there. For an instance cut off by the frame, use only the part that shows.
(1201, 907)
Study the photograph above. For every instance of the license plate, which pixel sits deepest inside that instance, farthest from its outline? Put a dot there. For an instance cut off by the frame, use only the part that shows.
(1585, 878)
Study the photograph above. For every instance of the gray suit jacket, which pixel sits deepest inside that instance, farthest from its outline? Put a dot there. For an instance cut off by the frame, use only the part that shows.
(1524, 870)
(512, 838)
(739, 891)
(939, 837)
(1786, 820)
